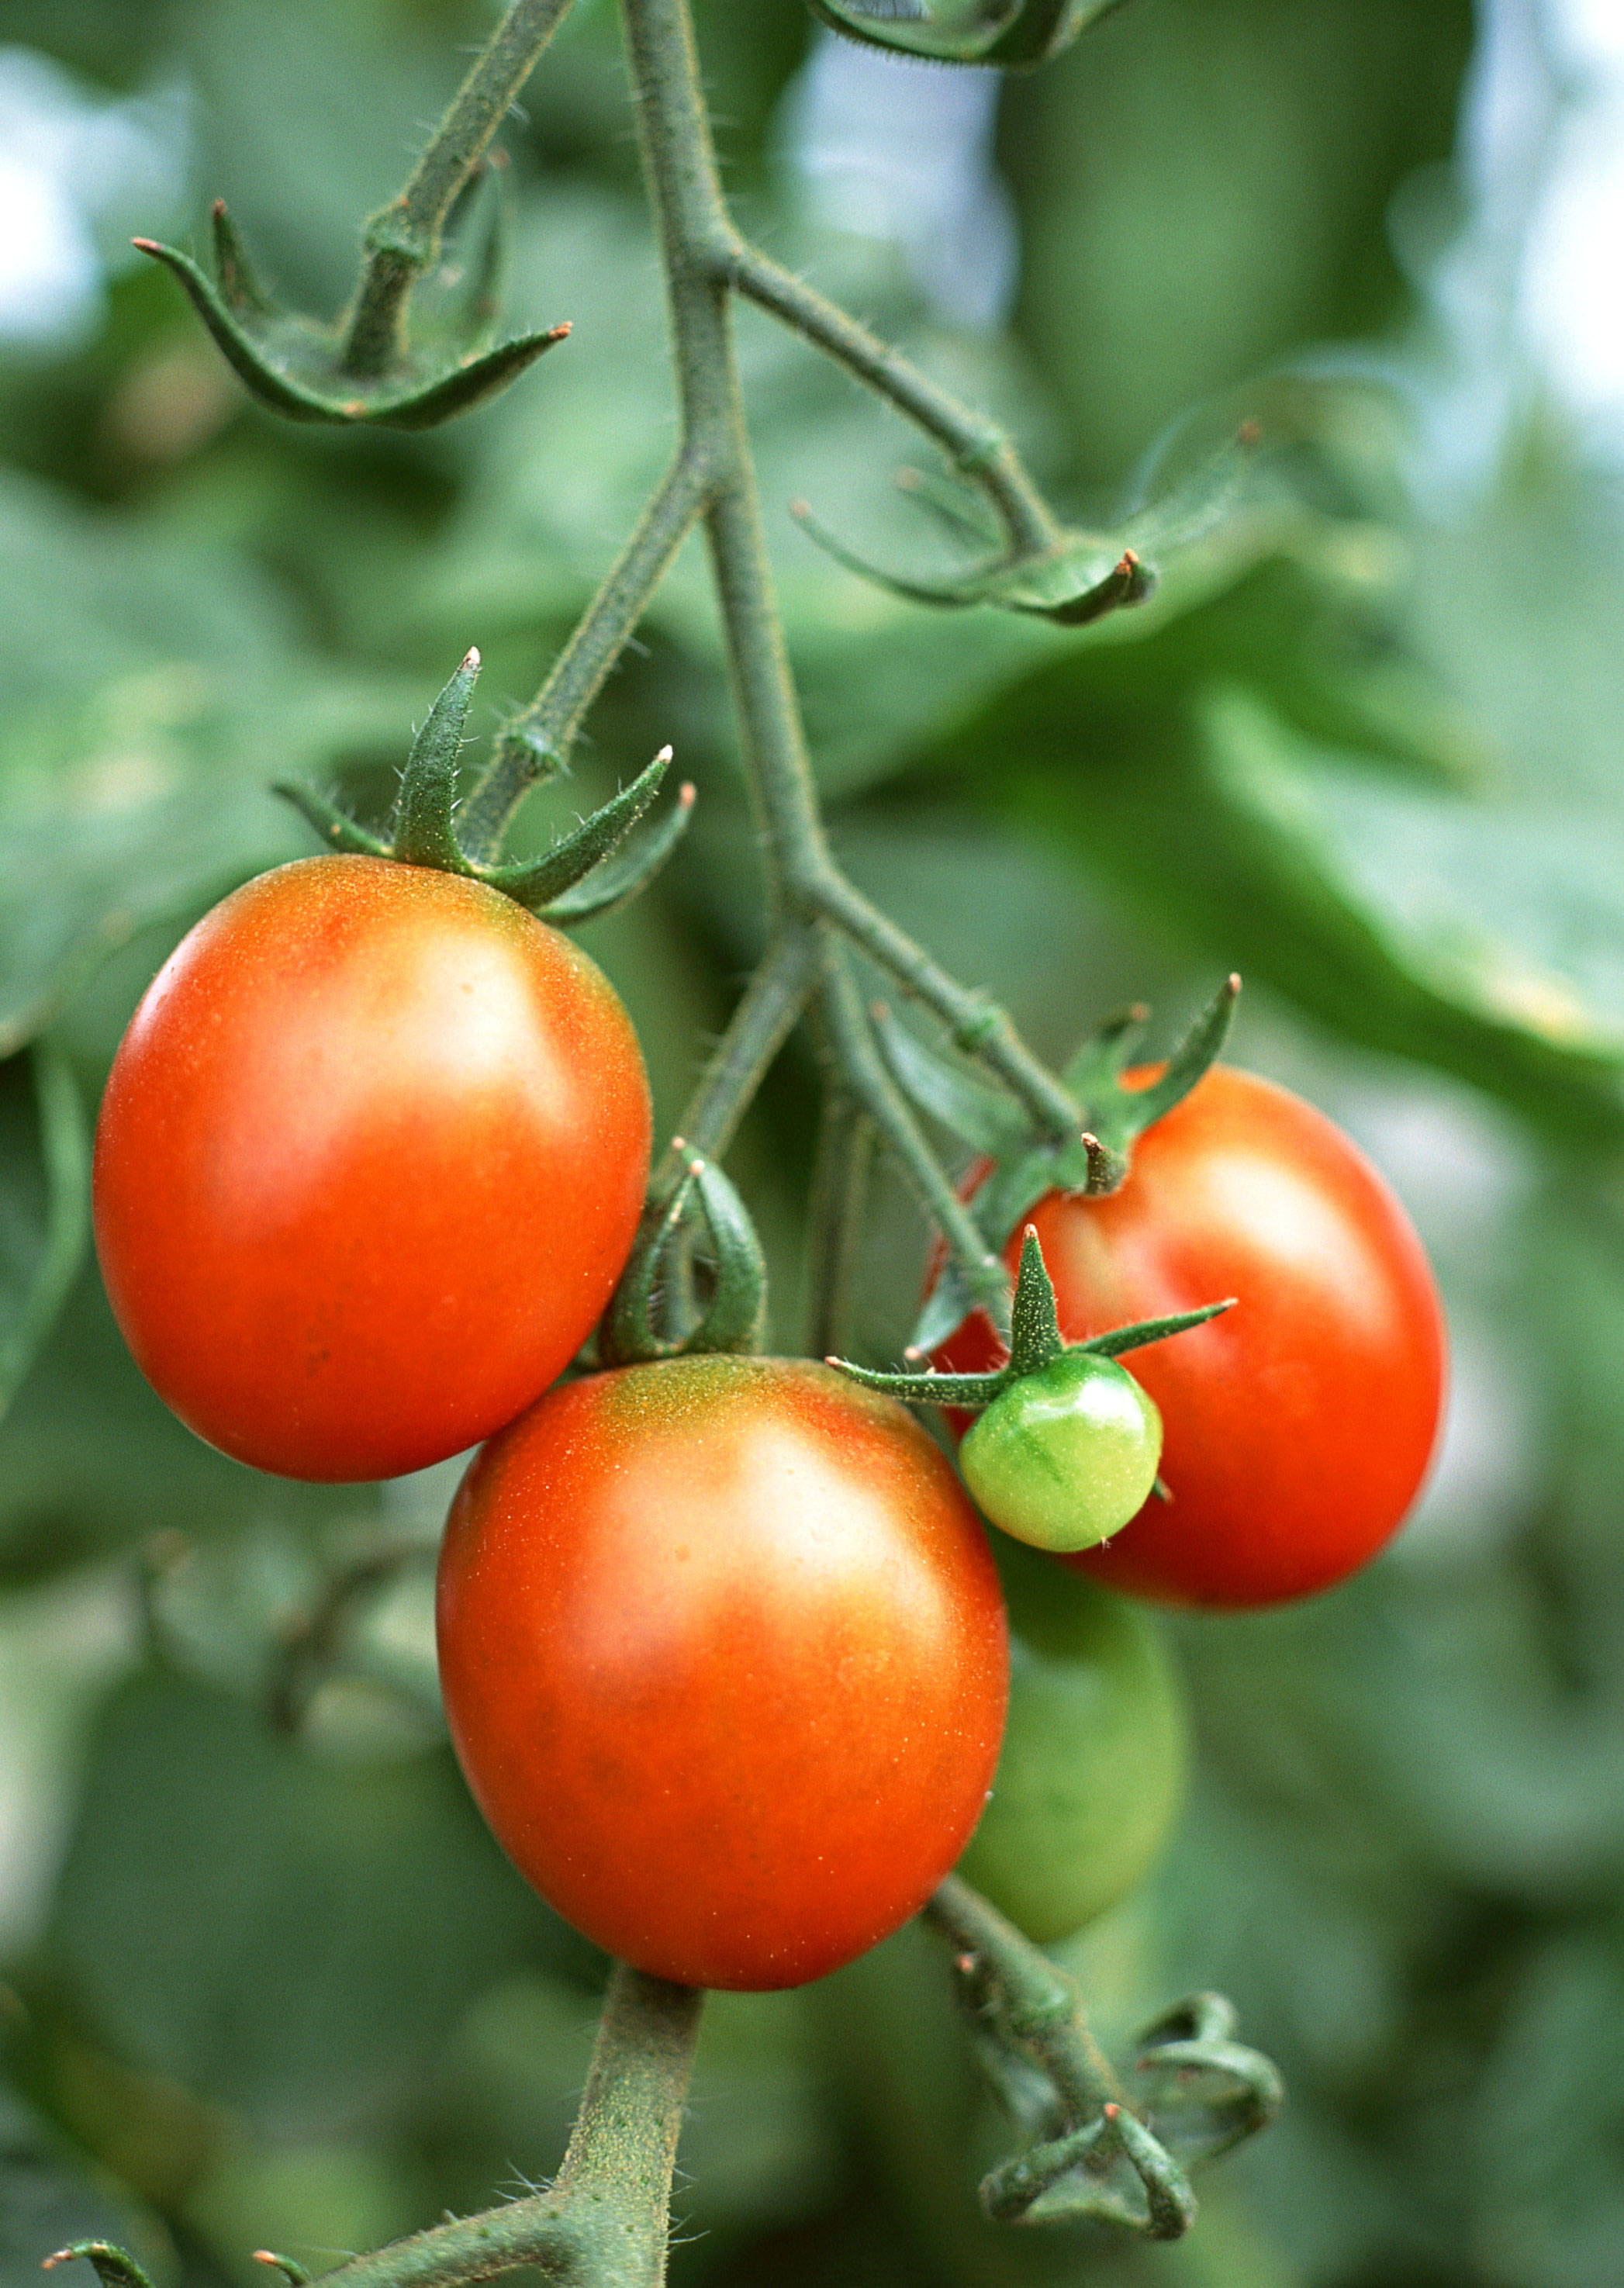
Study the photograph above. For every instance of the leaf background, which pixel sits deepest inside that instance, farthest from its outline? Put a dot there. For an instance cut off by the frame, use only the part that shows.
(1369, 757)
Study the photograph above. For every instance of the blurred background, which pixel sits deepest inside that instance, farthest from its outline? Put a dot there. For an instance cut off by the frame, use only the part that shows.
(263, 1978)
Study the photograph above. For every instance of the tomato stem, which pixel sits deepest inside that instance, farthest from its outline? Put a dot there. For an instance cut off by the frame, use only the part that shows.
(402, 239)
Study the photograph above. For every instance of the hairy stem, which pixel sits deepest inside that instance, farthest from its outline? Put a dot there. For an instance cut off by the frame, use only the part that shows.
(1039, 2006)
(678, 159)
(602, 2223)
(974, 445)
(865, 1071)
(765, 1016)
(402, 239)
(978, 1024)
(538, 740)
(835, 1220)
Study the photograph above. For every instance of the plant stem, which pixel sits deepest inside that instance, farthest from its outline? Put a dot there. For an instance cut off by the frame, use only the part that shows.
(841, 1173)
(978, 1024)
(679, 162)
(539, 740)
(1039, 2006)
(762, 1023)
(402, 239)
(973, 444)
(602, 2223)
(700, 245)
(864, 1068)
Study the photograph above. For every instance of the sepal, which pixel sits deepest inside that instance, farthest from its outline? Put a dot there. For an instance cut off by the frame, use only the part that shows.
(1122, 1115)
(1081, 576)
(115, 2268)
(636, 1328)
(619, 878)
(535, 882)
(1035, 1342)
(577, 879)
(298, 366)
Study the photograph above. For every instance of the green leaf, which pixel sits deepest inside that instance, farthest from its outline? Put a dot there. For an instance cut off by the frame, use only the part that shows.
(290, 1935)
(1477, 936)
(45, 1204)
(153, 690)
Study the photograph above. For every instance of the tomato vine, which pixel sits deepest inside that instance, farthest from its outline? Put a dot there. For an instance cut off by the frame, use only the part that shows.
(604, 2219)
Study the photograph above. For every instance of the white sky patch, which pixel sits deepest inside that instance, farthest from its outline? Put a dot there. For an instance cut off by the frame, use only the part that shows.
(901, 151)
(78, 173)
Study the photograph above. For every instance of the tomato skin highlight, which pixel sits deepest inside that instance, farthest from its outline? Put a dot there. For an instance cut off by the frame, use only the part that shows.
(725, 1660)
(1298, 1426)
(1065, 1457)
(1092, 1775)
(370, 1161)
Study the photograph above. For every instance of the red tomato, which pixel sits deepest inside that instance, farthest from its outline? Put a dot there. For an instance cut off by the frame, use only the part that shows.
(725, 1659)
(1298, 1426)
(370, 1162)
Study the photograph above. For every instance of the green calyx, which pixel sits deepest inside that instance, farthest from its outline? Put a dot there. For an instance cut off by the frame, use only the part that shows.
(579, 878)
(1026, 1163)
(1035, 1344)
(1070, 577)
(695, 1280)
(365, 369)
(1017, 36)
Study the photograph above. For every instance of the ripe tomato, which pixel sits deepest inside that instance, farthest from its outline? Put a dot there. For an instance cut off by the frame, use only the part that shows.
(1094, 1758)
(1067, 1455)
(370, 1162)
(1299, 1426)
(724, 1658)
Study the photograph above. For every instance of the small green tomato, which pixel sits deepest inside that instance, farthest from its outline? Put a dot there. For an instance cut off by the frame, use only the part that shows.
(1091, 1777)
(1067, 1455)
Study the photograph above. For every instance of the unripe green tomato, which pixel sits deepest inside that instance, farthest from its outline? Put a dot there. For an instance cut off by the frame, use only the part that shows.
(1091, 1777)
(1067, 1455)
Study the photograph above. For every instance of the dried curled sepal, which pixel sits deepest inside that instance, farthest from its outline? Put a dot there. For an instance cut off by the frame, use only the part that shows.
(644, 1318)
(1081, 576)
(297, 365)
(1202, 2090)
(1016, 36)
(1078, 581)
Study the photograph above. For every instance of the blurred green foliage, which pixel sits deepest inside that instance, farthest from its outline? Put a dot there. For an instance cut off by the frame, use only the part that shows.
(273, 1989)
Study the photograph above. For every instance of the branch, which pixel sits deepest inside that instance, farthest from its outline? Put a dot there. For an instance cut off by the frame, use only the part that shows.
(841, 1171)
(402, 239)
(603, 2224)
(978, 450)
(860, 1062)
(537, 740)
(978, 1026)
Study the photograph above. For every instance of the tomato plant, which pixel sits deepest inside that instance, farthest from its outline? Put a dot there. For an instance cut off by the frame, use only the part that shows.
(1091, 1776)
(1068, 1456)
(370, 1160)
(1298, 1426)
(724, 1657)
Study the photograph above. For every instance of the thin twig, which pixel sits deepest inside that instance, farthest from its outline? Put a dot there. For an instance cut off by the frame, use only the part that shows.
(975, 447)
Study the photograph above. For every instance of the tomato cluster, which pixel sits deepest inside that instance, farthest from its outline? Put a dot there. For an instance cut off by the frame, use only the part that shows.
(725, 1652)
(1298, 1426)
